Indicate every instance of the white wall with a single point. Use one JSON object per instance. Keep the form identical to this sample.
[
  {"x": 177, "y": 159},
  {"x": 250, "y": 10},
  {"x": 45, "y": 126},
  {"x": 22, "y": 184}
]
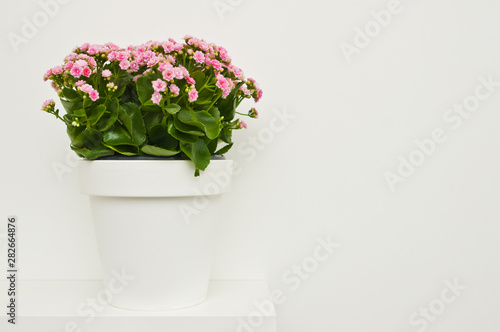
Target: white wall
[{"x": 321, "y": 175}]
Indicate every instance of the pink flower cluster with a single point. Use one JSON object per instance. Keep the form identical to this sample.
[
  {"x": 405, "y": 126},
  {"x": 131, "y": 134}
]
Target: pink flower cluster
[
  {"x": 161, "y": 86},
  {"x": 170, "y": 60},
  {"x": 48, "y": 105},
  {"x": 88, "y": 89}
]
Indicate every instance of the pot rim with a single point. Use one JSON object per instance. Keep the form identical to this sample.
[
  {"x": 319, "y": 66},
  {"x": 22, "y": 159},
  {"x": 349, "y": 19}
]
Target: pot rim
[{"x": 153, "y": 178}]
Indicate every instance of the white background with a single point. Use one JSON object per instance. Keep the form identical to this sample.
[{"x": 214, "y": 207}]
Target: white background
[{"x": 321, "y": 174}]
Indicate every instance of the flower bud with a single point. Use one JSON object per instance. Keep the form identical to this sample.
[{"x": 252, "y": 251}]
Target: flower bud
[{"x": 253, "y": 113}]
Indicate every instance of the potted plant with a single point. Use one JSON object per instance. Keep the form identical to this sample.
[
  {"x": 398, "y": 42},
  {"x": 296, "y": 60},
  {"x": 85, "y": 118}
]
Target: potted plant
[{"x": 146, "y": 120}]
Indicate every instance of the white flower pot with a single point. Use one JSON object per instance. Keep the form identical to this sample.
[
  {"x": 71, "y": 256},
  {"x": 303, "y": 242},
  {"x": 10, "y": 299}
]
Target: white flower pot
[{"x": 154, "y": 224}]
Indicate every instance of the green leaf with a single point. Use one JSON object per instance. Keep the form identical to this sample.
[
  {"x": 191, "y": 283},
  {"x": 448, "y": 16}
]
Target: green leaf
[
  {"x": 156, "y": 151},
  {"x": 131, "y": 117},
  {"x": 117, "y": 136},
  {"x": 89, "y": 138},
  {"x": 111, "y": 115},
  {"x": 204, "y": 97},
  {"x": 126, "y": 150},
  {"x": 227, "y": 107},
  {"x": 151, "y": 119},
  {"x": 87, "y": 102},
  {"x": 214, "y": 111},
  {"x": 199, "y": 78},
  {"x": 130, "y": 95},
  {"x": 71, "y": 95},
  {"x": 121, "y": 83},
  {"x": 224, "y": 149},
  {"x": 202, "y": 120},
  {"x": 73, "y": 132},
  {"x": 92, "y": 154},
  {"x": 172, "y": 108},
  {"x": 212, "y": 145},
  {"x": 96, "y": 113},
  {"x": 70, "y": 106},
  {"x": 80, "y": 112},
  {"x": 160, "y": 137},
  {"x": 149, "y": 106},
  {"x": 226, "y": 134},
  {"x": 188, "y": 129},
  {"x": 197, "y": 152},
  {"x": 145, "y": 88},
  {"x": 180, "y": 136}
]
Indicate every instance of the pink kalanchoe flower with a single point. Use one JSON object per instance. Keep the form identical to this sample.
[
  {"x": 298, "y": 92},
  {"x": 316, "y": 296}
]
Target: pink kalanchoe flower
[
  {"x": 92, "y": 62},
  {"x": 259, "y": 95},
  {"x": 76, "y": 71},
  {"x": 174, "y": 89},
  {"x": 168, "y": 74},
  {"x": 153, "y": 61},
  {"x": 199, "y": 57},
  {"x": 168, "y": 46},
  {"x": 164, "y": 65},
  {"x": 178, "y": 73},
  {"x": 94, "y": 95},
  {"x": 245, "y": 90},
  {"x": 203, "y": 45},
  {"x": 79, "y": 83},
  {"x": 134, "y": 66},
  {"x": 254, "y": 83},
  {"x": 185, "y": 72},
  {"x": 241, "y": 124},
  {"x": 87, "y": 88},
  {"x": 111, "y": 46},
  {"x": 156, "y": 98},
  {"x": 84, "y": 46},
  {"x": 123, "y": 55},
  {"x": 170, "y": 58},
  {"x": 68, "y": 65},
  {"x": 216, "y": 64},
  {"x": 222, "y": 82},
  {"x": 148, "y": 55},
  {"x": 124, "y": 64},
  {"x": 106, "y": 73},
  {"x": 159, "y": 85},
  {"x": 193, "y": 95},
  {"x": 190, "y": 80},
  {"x": 57, "y": 70},
  {"x": 136, "y": 55},
  {"x": 223, "y": 54},
  {"x": 47, "y": 74},
  {"x": 226, "y": 93},
  {"x": 112, "y": 56},
  {"x": 48, "y": 105},
  {"x": 71, "y": 57},
  {"x": 136, "y": 77},
  {"x": 86, "y": 72},
  {"x": 81, "y": 63},
  {"x": 238, "y": 73},
  {"x": 94, "y": 49}
]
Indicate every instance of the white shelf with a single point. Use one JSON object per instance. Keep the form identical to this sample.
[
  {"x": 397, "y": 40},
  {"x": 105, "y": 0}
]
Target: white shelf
[{"x": 62, "y": 306}]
